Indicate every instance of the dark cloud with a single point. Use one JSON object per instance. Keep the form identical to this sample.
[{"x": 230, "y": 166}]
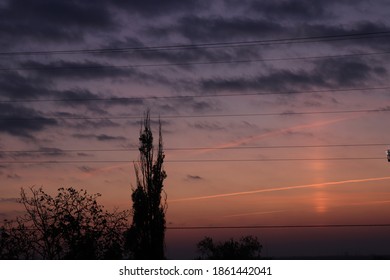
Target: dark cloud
[
  {"x": 296, "y": 9},
  {"x": 192, "y": 57},
  {"x": 64, "y": 21},
  {"x": 81, "y": 154},
  {"x": 287, "y": 10},
  {"x": 53, "y": 21},
  {"x": 356, "y": 27},
  {"x": 79, "y": 97},
  {"x": 9, "y": 200},
  {"x": 160, "y": 8},
  {"x": 93, "y": 70},
  {"x": 202, "y": 29},
  {"x": 206, "y": 125},
  {"x": 86, "y": 169},
  {"x": 291, "y": 133},
  {"x": 277, "y": 80},
  {"x": 53, "y": 152},
  {"x": 347, "y": 73},
  {"x": 93, "y": 102},
  {"x": 201, "y": 106},
  {"x": 194, "y": 178},
  {"x": 174, "y": 59},
  {"x": 16, "y": 86},
  {"x": 21, "y": 121},
  {"x": 90, "y": 124},
  {"x": 328, "y": 73},
  {"x": 13, "y": 177},
  {"x": 195, "y": 105},
  {"x": 99, "y": 137},
  {"x": 155, "y": 122},
  {"x": 86, "y": 69},
  {"x": 69, "y": 20},
  {"x": 104, "y": 137},
  {"x": 41, "y": 152}
]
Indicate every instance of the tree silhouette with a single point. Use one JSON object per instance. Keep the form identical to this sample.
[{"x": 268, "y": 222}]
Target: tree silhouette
[
  {"x": 71, "y": 225},
  {"x": 146, "y": 235},
  {"x": 247, "y": 248}
]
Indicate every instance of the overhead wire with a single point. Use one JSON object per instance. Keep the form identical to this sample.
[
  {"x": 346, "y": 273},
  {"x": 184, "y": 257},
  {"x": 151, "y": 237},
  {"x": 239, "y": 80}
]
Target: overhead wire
[
  {"x": 292, "y": 40},
  {"x": 194, "y": 160},
  {"x": 59, "y": 150},
  {"x": 45, "y": 118},
  {"x": 193, "y": 63},
  {"x": 296, "y": 226},
  {"x": 203, "y": 95},
  {"x": 276, "y": 226}
]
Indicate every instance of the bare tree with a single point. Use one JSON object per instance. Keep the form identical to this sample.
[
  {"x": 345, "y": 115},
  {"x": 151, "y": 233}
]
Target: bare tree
[{"x": 147, "y": 233}]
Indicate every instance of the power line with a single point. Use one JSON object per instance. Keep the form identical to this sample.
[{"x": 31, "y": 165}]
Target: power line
[
  {"x": 193, "y": 63},
  {"x": 59, "y": 150},
  {"x": 124, "y": 99},
  {"x": 196, "y": 160},
  {"x": 44, "y": 118},
  {"x": 254, "y": 227},
  {"x": 276, "y": 226},
  {"x": 293, "y": 40},
  {"x": 273, "y": 159}
]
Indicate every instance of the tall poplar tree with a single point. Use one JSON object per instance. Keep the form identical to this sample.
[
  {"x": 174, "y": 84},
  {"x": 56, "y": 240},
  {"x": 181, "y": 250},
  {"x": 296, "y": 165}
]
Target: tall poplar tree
[{"x": 147, "y": 233}]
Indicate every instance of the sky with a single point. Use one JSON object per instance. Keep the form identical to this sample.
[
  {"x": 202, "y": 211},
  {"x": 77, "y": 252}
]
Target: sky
[{"x": 273, "y": 113}]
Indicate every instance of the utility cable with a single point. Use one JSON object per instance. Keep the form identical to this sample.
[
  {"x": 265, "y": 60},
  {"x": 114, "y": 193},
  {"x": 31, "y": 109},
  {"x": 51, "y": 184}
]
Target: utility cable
[
  {"x": 60, "y": 151},
  {"x": 292, "y": 40},
  {"x": 45, "y": 118},
  {"x": 196, "y": 160},
  {"x": 140, "y": 98},
  {"x": 193, "y": 63}
]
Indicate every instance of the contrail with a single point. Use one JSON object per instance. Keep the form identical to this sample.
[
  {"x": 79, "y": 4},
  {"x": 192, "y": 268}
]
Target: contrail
[{"x": 281, "y": 189}]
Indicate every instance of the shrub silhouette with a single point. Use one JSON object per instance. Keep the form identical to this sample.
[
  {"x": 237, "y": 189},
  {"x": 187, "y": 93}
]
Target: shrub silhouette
[{"x": 246, "y": 248}]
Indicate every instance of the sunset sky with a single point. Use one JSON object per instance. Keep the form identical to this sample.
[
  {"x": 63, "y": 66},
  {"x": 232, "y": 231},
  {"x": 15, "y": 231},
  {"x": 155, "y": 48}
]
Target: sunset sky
[{"x": 272, "y": 112}]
